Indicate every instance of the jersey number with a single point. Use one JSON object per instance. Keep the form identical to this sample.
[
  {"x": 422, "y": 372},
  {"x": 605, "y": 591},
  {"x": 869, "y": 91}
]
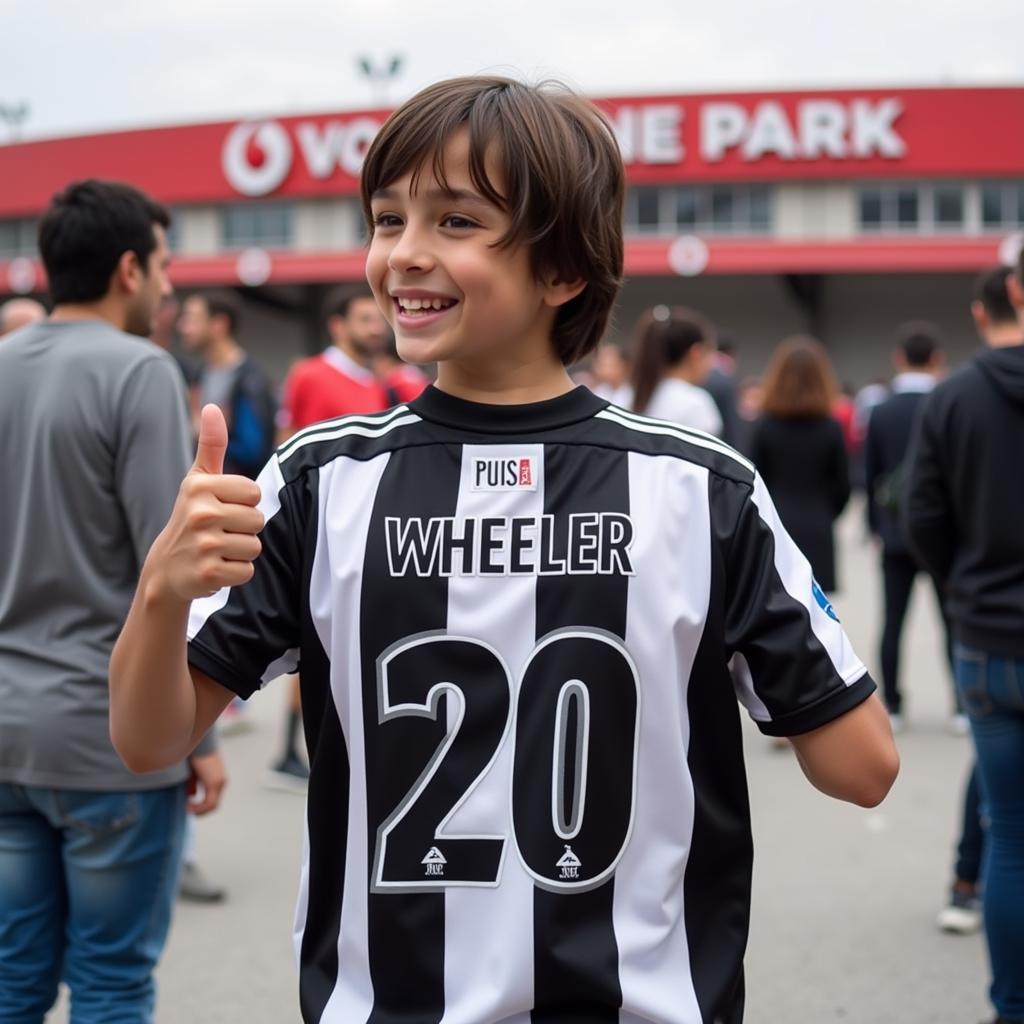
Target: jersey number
[{"x": 575, "y": 723}]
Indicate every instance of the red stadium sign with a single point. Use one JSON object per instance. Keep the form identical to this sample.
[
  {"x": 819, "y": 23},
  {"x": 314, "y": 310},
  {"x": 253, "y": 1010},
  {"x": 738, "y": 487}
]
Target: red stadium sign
[{"x": 896, "y": 133}]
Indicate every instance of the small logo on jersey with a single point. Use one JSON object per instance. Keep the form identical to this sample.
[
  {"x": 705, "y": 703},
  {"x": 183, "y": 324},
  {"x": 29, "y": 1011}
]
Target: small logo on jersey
[
  {"x": 569, "y": 864},
  {"x": 435, "y": 862},
  {"x": 517, "y": 473},
  {"x": 823, "y": 602}
]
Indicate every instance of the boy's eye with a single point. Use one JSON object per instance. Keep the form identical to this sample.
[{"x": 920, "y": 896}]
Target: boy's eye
[
  {"x": 455, "y": 220},
  {"x": 386, "y": 220}
]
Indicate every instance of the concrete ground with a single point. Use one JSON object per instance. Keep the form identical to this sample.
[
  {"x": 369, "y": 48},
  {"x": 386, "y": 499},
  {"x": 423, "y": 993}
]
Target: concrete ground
[{"x": 844, "y": 899}]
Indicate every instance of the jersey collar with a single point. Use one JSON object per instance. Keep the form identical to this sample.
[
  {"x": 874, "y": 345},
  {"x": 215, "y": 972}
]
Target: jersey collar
[{"x": 439, "y": 407}]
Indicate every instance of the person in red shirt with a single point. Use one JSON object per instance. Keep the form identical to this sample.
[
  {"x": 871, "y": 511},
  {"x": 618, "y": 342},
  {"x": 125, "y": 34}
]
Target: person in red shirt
[{"x": 341, "y": 380}]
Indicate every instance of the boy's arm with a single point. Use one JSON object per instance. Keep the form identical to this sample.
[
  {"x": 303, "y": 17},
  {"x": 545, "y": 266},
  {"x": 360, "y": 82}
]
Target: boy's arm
[
  {"x": 159, "y": 707},
  {"x": 852, "y": 758},
  {"x": 792, "y": 664}
]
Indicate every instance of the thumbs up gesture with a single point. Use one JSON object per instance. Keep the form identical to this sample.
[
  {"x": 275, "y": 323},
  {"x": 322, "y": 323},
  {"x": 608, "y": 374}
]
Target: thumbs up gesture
[{"x": 211, "y": 539}]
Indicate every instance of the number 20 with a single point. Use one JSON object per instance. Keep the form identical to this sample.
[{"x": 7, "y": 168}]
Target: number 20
[{"x": 576, "y": 718}]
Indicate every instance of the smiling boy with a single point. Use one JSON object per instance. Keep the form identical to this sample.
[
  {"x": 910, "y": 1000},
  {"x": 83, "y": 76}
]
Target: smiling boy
[{"x": 523, "y": 618}]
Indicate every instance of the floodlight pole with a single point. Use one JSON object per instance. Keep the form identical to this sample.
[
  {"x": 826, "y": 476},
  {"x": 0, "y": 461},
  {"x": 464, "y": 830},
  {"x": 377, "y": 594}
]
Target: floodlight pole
[{"x": 380, "y": 77}]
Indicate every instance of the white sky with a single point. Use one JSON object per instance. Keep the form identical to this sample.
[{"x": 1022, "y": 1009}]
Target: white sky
[{"x": 83, "y": 66}]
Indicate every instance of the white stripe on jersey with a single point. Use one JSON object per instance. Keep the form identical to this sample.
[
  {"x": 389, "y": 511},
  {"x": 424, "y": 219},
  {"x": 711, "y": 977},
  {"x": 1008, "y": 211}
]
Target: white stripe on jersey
[
  {"x": 646, "y": 425},
  {"x": 271, "y": 483},
  {"x": 665, "y": 622},
  {"x": 345, "y": 428},
  {"x": 368, "y": 420},
  {"x": 334, "y": 589},
  {"x": 743, "y": 684},
  {"x": 484, "y": 964},
  {"x": 795, "y": 572}
]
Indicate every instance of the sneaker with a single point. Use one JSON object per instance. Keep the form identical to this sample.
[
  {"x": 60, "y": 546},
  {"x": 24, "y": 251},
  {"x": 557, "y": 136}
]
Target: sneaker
[
  {"x": 962, "y": 915},
  {"x": 290, "y": 774},
  {"x": 897, "y": 723},
  {"x": 195, "y": 887}
]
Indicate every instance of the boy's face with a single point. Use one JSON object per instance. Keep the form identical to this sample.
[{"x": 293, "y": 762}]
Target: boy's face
[{"x": 449, "y": 294}]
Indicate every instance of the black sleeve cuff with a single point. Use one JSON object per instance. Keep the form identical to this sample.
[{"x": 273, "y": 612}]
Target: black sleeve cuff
[
  {"x": 826, "y": 710},
  {"x": 220, "y": 671}
]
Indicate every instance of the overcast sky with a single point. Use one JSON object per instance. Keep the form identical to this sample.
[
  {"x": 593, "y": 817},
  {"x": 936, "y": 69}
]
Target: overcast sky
[{"x": 127, "y": 63}]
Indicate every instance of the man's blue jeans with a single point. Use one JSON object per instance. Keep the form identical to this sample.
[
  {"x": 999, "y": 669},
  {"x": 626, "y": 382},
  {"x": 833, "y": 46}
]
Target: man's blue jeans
[
  {"x": 87, "y": 881},
  {"x": 992, "y": 689}
]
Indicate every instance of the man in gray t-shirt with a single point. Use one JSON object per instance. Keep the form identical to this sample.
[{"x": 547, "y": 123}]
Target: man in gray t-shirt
[{"x": 94, "y": 441}]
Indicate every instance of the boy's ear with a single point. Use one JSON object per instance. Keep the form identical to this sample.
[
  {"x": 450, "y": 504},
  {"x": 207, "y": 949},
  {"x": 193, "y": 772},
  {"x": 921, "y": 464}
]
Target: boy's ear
[{"x": 558, "y": 293}]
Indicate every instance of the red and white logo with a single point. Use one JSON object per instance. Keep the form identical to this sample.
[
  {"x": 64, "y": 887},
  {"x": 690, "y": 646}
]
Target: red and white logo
[
  {"x": 512, "y": 473},
  {"x": 257, "y": 157}
]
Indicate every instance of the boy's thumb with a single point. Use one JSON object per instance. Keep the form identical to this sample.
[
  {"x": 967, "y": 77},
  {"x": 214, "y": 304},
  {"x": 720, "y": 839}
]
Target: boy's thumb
[{"x": 213, "y": 441}]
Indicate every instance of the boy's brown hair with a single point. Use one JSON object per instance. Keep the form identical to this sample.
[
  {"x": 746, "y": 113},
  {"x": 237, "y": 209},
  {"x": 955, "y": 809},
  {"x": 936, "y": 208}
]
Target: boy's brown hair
[{"x": 563, "y": 182}]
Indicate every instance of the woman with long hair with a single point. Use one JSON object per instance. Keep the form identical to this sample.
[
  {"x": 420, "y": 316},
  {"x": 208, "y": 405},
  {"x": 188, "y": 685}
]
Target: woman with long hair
[
  {"x": 671, "y": 359},
  {"x": 799, "y": 450}
]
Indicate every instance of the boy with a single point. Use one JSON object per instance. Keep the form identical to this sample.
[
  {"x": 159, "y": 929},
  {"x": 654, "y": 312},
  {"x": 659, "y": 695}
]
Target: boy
[{"x": 514, "y": 609}]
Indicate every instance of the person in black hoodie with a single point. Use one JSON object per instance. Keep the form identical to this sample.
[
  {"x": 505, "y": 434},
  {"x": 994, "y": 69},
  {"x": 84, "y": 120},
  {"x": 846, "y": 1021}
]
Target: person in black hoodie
[{"x": 963, "y": 510}]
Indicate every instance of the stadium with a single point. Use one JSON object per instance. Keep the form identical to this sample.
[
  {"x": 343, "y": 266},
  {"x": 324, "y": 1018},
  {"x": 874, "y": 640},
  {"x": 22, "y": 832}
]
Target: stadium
[{"x": 839, "y": 213}]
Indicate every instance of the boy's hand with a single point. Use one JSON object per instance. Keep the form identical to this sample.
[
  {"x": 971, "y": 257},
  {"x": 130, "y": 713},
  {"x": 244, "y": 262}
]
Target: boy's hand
[{"x": 211, "y": 539}]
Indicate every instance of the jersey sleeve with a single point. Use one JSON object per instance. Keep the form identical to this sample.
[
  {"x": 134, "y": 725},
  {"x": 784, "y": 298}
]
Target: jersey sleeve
[
  {"x": 246, "y": 636},
  {"x": 792, "y": 664}
]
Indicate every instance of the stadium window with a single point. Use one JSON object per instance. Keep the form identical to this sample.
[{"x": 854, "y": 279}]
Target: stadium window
[
  {"x": 721, "y": 209},
  {"x": 871, "y": 209},
  {"x": 907, "y": 206},
  {"x": 948, "y": 206},
  {"x": 264, "y": 225},
  {"x": 1002, "y": 205},
  {"x": 174, "y": 231},
  {"x": 687, "y": 202},
  {"x": 18, "y": 238}
]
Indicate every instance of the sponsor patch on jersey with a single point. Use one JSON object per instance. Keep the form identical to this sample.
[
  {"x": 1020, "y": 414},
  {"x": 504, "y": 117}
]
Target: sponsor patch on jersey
[
  {"x": 823, "y": 602},
  {"x": 506, "y": 473}
]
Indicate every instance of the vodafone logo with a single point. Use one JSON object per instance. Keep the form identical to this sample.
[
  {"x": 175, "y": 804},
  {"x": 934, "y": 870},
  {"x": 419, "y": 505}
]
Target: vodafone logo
[{"x": 257, "y": 157}]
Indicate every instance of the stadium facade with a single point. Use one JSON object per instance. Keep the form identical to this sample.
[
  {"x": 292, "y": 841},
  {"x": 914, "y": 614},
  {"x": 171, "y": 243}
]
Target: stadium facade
[{"x": 839, "y": 213}]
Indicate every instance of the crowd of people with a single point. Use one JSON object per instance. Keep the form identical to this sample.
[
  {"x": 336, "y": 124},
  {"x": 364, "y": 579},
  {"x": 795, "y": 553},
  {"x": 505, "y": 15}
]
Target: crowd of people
[{"x": 164, "y": 497}]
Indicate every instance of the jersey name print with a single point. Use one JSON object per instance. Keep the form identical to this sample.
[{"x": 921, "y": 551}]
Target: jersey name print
[
  {"x": 593, "y": 542},
  {"x": 522, "y": 634}
]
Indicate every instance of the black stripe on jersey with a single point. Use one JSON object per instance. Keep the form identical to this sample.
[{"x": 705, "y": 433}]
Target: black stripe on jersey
[
  {"x": 576, "y": 968},
  {"x": 328, "y": 787},
  {"x": 406, "y": 934},
  {"x": 716, "y": 885}
]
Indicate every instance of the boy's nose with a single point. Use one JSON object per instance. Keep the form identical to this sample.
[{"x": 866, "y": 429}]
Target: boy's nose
[{"x": 410, "y": 255}]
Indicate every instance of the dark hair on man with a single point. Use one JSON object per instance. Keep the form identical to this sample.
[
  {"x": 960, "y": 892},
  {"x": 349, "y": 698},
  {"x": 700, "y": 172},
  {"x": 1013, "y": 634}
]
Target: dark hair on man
[
  {"x": 562, "y": 182},
  {"x": 340, "y": 299},
  {"x": 990, "y": 291},
  {"x": 662, "y": 339},
  {"x": 799, "y": 381},
  {"x": 223, "y": 304},
  {"x": 919, "y": 341},
  {"x": 88, "y": 228}
]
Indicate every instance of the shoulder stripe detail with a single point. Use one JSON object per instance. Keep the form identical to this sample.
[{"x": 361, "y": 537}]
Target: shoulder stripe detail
[
  {"x": 371, "y": 419},
  {"x": 696, "y": 437},
  {"x": 347, "y": 428}
]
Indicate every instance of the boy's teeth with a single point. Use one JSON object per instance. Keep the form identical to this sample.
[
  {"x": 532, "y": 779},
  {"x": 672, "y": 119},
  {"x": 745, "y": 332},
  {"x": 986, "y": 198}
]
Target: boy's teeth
[{"x": 416, "y": 305}]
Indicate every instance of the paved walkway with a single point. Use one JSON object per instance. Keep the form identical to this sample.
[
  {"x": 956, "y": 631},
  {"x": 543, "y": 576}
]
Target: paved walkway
[{"x": 844, "y": 899}]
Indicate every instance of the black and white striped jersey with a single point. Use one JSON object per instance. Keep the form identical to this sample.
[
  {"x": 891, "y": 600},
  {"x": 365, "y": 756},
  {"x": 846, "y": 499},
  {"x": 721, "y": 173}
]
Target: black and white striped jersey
[{"x": 522, "y": 632}]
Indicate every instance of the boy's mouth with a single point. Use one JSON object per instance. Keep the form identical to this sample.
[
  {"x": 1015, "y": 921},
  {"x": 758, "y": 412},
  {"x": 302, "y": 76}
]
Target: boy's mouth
[{"x": 423, "y": 306}]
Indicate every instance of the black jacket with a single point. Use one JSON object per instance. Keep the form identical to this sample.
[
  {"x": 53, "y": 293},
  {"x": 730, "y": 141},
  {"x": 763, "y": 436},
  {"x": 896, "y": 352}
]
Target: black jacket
[
  {"x": 885, "y": 450},
  {"x": 963, "y": 508},
  {"x": 803, "y": 463}
]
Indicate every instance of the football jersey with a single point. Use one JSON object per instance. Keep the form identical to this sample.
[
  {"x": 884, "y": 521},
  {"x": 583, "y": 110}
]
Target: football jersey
[{"x": 522, "y": 632}]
